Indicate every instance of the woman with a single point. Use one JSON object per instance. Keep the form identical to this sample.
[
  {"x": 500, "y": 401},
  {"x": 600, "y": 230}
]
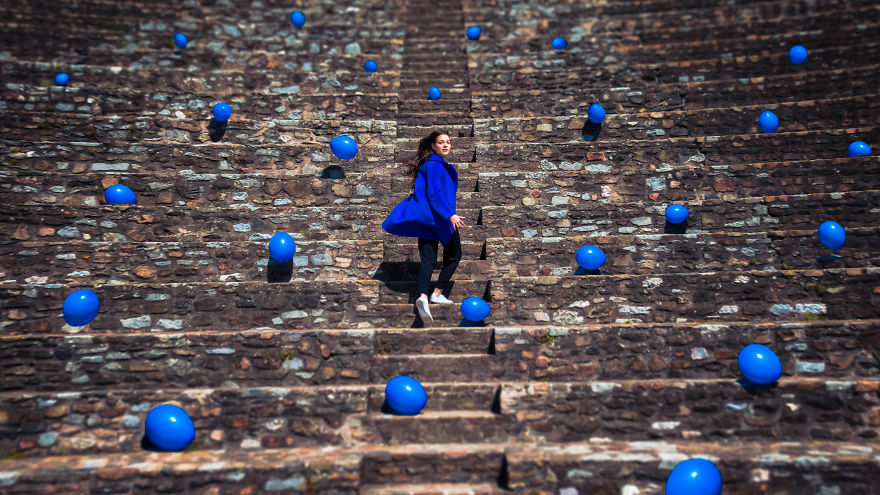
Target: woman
[{"x": 429, "y": 214}]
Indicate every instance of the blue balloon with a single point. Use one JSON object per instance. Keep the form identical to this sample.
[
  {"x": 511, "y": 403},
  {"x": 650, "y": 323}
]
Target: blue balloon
[
  {"x": 80, "y": 307},
  {"x": 596, "y": 113},
  {"x": 590, "y": 257},
  {"x": 676, "y": 213},
  {"x": 180, "y": 40},
  {"x": 474, "y": 309},
  {"x": 298, "y": 19},
  {"x": 797, "y": 55},
  {"x": 832, "y": 235},
  {"x": 405, "y": 395},
  {"x": 344, "y": 147},
  {"x": 371, "y": 66},
  {"x": 222, "y": 112},
  {"x": 695, "y": 476},
  {"x": 434, "y": 93},
  {"x": 473, "y": 32},
  {"x": 118, "y": 194},
  {"x": 858, "y": 148},
  {"x": 170, "y": 427},
  {"x": 768, "y": 121},
  {"x": 759, "y": 364},
  {"x": 281, "y": 247},
  {"x": 62, "y": 78},
  {"x": 559, "y": 43}
]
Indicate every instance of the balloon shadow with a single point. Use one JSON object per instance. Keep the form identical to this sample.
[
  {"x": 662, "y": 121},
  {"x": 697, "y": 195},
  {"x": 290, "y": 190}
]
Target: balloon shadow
[
  {"x": 468, "y": 323},
  {"x": 591, "y": 130},
  {"x": 754, "y": 388},
  {"x": 387, "y": 409},
  {"x": 277, "y": 272},
  {"x": 583, "y": 271},
  {"x": 675, "y": 228},
  {"x": 217, "y": 129},
  {"x": 333, "y": 172},
  {"x": 828, "y": 261},
  {"x": 149, "y": 446}
]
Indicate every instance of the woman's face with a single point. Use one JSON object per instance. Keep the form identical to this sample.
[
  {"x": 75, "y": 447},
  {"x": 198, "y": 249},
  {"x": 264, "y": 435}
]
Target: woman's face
[{"x": 442, "y": 145}]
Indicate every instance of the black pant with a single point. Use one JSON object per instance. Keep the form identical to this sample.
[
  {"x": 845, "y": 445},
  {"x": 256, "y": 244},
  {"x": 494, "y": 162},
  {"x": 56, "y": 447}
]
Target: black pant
[{"x": 428, "y": 254}]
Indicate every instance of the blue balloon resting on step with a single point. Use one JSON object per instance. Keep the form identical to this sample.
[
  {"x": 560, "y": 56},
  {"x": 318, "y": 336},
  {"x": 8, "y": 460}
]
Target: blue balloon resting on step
[
  {"x": 559, "y": 43},
  {"x": 222, "y": 112},
  {"x": 832, "y": 235},
  {"x": 797, "y": 55},
  {"x": 768, "y": 121},
  {"x": 695, "y": 476},
  {"x": 596, "y": 113},
  {"x": 61, "y": 78},
  {"x": 676, "y": 213},
  {"x": 474, "y": 309},
  {"x": 169, "y": 427},
  {"x": 473, "y": 32},
  {"x": 371, "y": 66},
  {"x": 298, "y": 19},
  {"x": 117, "y": 194},
  {"x": 405, "y": 395},
  {"x": 180, "y": 40},
  {"x": 759, "y": 364},
  {"x": 281, "y": 247},
  {"x": 434, "y": 93},
  {"x": 80, "y": 307},
  {"x": 590, "y": 257},
  {"x": 344, "y": 147},
  {"x": 858, "y": 148}
]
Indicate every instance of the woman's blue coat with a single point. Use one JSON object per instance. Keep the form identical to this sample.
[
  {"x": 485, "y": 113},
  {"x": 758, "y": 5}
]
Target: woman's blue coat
[{"x": 426, "y": 212}]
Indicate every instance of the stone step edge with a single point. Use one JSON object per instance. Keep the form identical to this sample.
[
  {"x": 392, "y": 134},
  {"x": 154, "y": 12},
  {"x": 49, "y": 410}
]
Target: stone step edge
[{"x": 475, "y": 488}]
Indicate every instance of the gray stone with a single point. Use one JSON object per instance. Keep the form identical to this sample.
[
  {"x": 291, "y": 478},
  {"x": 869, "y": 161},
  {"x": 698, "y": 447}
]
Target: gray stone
[
  {"x": 780, "y": 309},
  {"x": 47, "y": 439},
  {"x": 136, "y": 322},
  {"x": 293, "y": 483}
]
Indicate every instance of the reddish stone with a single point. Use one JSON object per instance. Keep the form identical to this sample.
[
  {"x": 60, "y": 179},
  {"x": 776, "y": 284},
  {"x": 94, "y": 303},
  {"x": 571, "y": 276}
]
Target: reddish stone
[
  {"x": 116, "y": 474},
  {"x": 542, "y": 362},
  {"x": 725, "y": 354},
  {"x": 326, "y": 350},
  {"x": 724, "y": 185},
  {"x": 245, "y": 363}
]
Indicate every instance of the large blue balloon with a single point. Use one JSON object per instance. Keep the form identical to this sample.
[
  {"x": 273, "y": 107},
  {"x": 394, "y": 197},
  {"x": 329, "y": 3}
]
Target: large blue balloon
[
  {"x": 344, "y": 147},
  {"x": 371, "y": 66},
  {"x": 559, "y": 43},
  {"x": 61, "y": 78},
  {"x": 695, "y": 476},
  {"x": 80, "y": 307},
  {"x": 858, "y": 148},
  {"x": 118, "y": 194},
  {"x": 434, "y": 93},
  {"x": 298, "y": 19},
  {"x": 768, "y": 121},
  {"x": 590, "y": 257},
  {"x": 676, "y": 213},
  {"x": 281, "y": 247},
  {"x": 596, "y": 113},
  {"x": 405, "y": 395},
  {"x": 832, "y": 235},
  {"x": 759, "y": 364},
  {"x": 180, "y": 40},
  {"x": 222, "y": 112},
  {"x": 170, "y": 427},
  {"x": 474, "y": 309},
  {"x": 473, "y": 32},
  {"x": 797, "y": 54}
]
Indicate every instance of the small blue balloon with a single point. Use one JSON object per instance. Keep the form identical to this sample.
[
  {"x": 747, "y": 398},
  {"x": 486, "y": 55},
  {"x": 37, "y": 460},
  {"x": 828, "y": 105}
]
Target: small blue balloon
[
  {"x": 676, "y": 213},
  {"x": 474, "y": 309},
  {"x": 559, "y": 43},
  {"x": 797, "y": 55},
  {"x": 434, "y": 93},
  {"x": 371, "y": 66},
  {"x": 832, "y": 235},
  {"x": 180, "y": 40},
  {"x": 118, "y": 194},
  {"x": 596, "y": 113},
  {"x": 473, "y": 32},
  {"x": 759, "y": 364},
  {"x": 405, "y": 395},
  {"x": 858, "y": 148},
  {"x": 768, "y": 121},
  {"x": 281, "y": 247},
  {"x": 298, "y": 19},
  {"x": 222, "y": 112},
  {"x": 80, "y": 307},
  {"x": 590, "y": 257},
  {"x": 62, "y": 78},
  {"x": 169, "y": 427},
  {"x": 344, "y": 147},
  {"x": 695, "y": 476}
]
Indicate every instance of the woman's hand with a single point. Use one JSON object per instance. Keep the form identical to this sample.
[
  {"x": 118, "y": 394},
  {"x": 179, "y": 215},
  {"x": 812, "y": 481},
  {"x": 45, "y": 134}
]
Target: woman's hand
[{"x": 457, "y": 222}]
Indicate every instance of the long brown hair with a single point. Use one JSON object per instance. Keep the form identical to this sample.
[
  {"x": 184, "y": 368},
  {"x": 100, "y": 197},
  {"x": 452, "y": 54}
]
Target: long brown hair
[{"x": 414, "y": 161}]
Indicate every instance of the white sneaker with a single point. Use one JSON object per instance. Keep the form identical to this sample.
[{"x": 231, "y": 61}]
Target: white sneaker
[
  {"x": 440, "y": 299},
  {"x": 424, "y": 311}
]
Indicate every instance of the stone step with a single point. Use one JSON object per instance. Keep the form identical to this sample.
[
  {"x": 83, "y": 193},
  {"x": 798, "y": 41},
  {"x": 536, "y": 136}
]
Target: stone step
[
  {"x": 461, "y": 129},
  {"x": 264, "y": 357},
  {"x": 433, "y": 489}
]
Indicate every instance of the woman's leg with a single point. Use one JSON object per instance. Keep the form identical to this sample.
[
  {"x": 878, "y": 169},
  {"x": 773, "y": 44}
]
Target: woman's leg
[
  {"x": 451, "y": 257},
  {"x": 428, "y": 255}
]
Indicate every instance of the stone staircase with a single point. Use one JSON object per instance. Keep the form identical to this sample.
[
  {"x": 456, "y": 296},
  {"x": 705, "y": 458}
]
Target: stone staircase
[{"x": 579, "y": 383}]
